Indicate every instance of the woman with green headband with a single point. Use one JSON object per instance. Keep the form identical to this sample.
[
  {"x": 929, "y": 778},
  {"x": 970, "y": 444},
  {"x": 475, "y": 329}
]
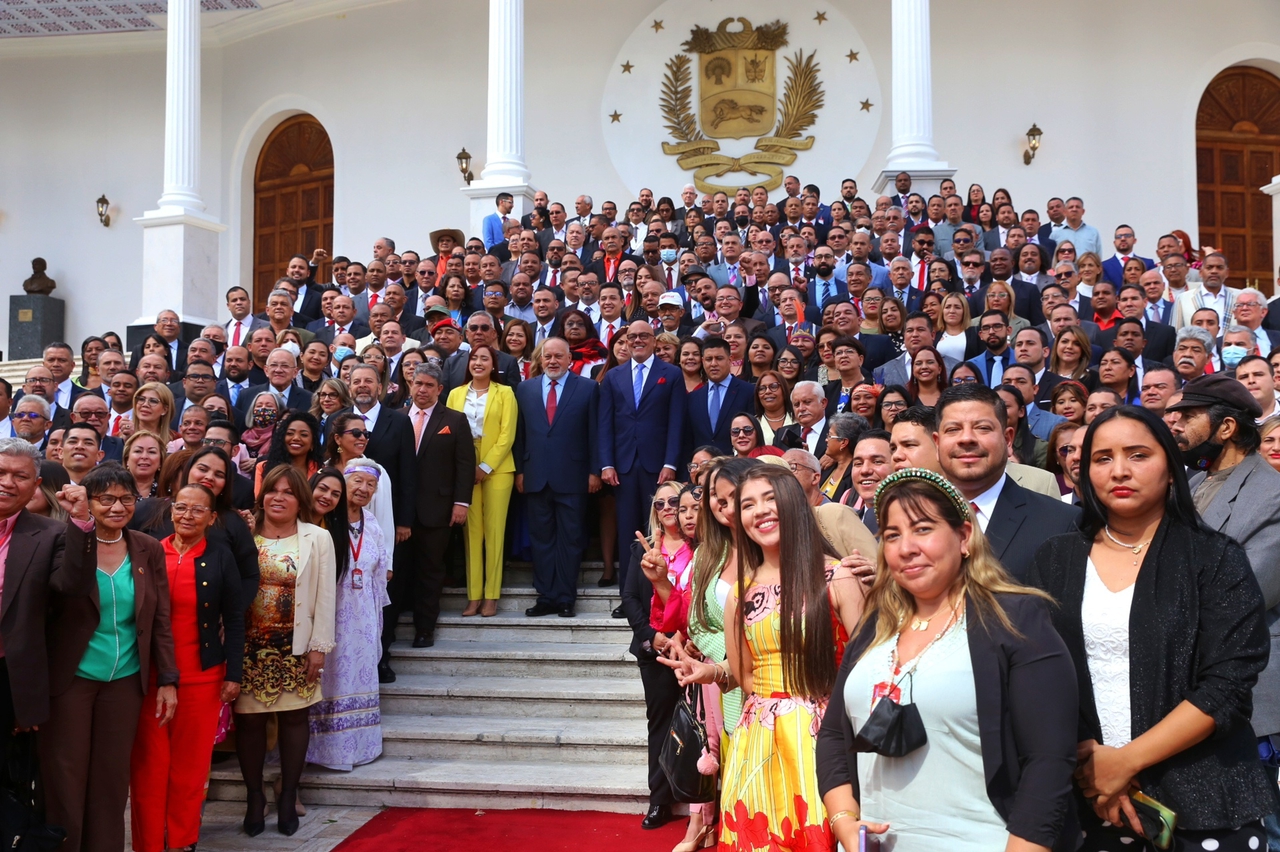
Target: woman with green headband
[{"x": 952, "y": 724}]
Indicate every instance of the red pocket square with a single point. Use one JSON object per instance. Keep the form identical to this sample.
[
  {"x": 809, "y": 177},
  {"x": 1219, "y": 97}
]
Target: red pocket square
[
  {"x": 444, "y": 431},
  {"x": 662, "y": 380}
]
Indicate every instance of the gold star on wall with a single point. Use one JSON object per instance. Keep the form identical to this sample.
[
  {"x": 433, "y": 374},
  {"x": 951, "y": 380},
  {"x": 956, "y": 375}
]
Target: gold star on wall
[
  {"x": 821, "y": 17},
  {"x": 866, "y": 106},
  {"x": 615, "y": 117},
  {"x": 626, "y": 67},
  {"x": 853, "y": 55},
  {"x": 657, "y": 25}
]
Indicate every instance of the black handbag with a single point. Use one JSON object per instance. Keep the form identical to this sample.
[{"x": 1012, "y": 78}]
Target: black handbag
[
  {"x": 21, "y": 827},
  {"x": 892, "y": 729},
  {"x": 686, "y": 741}
]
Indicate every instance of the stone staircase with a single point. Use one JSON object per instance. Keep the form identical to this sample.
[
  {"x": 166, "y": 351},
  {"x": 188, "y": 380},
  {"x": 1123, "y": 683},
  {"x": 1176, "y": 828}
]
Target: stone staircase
[{"x": 503, "y": 712}]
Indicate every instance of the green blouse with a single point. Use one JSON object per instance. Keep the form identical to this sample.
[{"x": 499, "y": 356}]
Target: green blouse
[
  {"x": 709, "y": 638},
  {"x": 113, "y": 649}
]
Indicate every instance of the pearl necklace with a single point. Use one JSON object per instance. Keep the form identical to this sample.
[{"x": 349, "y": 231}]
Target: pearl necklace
[
  {"x": 115, "y": 540},
  {"x": 1134, "y": 548}
]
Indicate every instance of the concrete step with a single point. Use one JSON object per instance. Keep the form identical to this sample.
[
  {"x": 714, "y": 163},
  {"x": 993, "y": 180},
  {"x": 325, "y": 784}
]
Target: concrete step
[
  {"x": 403, "y": 782},
  {"x": 516, "y": 627},
  {"x": 530, "y": 697},
  {"x": 516, "y": 738},
  {"x": 521, "y": 574},
  {"x": 519, "y": 598},
  {"x": 524, "y": 659}
]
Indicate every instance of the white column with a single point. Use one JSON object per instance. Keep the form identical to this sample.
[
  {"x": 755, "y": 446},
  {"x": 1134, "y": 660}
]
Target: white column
[
  {"x": 180, "y": 240},
  {"x": 912, "y": 105},
  {"x": 504, "y": 168},
  {"x": 182, "y": 108},
  {"x": 1273, "y": 189}
]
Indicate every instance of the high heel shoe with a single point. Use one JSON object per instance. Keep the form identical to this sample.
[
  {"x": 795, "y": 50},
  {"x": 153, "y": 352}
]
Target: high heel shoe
[
  {"x": 286, "y": 813},
  {"x": 704, "y": 839},
  {"x": 490, "y": 609},
  {"x": 255, "y": 813},
  {"x": 298, "y": 806},
  {"x": 473, "y": 608}
]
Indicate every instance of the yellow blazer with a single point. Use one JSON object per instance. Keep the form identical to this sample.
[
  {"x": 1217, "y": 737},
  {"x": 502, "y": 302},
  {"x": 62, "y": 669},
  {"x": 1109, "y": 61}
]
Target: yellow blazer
[{"x": 499, "y": 425}]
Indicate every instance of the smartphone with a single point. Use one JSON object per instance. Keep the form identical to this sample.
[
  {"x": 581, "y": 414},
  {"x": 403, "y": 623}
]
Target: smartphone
[
  {"x": 1158, "y": 822},
  {"x": 867, "y": 842}
]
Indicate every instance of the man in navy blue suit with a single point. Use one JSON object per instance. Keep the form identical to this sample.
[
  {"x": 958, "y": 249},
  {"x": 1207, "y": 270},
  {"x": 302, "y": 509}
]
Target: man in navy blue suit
[
  {"x": 641, "y": 424},
  {"x": 713, "y": 406},
  {"x": 900, "y": 275},
  {"x": 825, "y": 284},
  {"x": 1113, "y": 267},
  {"x": 557, "y": 465}
]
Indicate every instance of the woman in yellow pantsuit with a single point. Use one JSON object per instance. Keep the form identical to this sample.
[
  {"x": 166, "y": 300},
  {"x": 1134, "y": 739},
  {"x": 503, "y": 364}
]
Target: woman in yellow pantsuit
[{"x": 490, "y": 408}]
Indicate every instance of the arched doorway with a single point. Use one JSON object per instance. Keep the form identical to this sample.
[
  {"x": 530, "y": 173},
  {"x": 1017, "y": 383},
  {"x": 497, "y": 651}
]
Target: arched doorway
[
  {"x": 1238, "y": 151},
  {"x": 292, "y": 201}
]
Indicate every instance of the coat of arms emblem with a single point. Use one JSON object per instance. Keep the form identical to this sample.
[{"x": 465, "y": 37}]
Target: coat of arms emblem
[{"x": 736, "y": 78}]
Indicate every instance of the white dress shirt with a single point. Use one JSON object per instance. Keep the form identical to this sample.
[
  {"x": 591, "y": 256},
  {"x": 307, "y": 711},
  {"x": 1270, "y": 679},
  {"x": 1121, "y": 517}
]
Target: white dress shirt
[
  {"x": 986, "y": 501},
  {"x": 62, "y": 396},
  {"x": 370, "y": 417},
  {"x": 811, "y": 442}
]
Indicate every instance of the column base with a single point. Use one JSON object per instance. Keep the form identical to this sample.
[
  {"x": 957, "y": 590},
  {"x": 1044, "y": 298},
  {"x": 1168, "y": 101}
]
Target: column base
[
  {"x": 179, "y": 265},
  {"x": 925, "y": 177},
  {"x": 482, "y": 194}
]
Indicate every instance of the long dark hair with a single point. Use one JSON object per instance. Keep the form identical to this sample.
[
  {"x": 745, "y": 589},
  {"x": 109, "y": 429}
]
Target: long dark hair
[
  {"x": 222, "y": 500},
  {"x": 804, "y": 608},
  {"x": 714, "y": 539},
  {"x": 338, "y": 424},
  {"x": 1178, "y": 506},
  {"x": 336, "y": 522},
  {"x": 84, "y": 346},
  {"x": 277, "y": 454},
  {"x": 1024, "y": 443}
]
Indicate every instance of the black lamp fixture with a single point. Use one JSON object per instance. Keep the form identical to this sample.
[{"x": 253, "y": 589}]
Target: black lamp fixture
[
  {"x": 103, "y": 204},
  {"x": 464, "y": 166},
  {"x": 1033, "y": 144}
]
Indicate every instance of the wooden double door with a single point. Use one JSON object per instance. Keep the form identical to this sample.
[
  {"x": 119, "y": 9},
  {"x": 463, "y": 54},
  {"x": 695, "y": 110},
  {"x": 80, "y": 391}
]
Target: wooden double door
[
  {"x": 293, "y": 201},
  {"x": 1237, "y": 152}
]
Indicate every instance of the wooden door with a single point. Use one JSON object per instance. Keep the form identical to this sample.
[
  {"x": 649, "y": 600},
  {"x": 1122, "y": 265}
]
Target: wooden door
[
  {"x": 293, "y": 201},
  {"x": 1237, "y": 152}
]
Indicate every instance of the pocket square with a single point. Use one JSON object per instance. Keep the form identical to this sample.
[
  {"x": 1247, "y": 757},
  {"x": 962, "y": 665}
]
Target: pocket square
[
  {"x": 444, "y": 431},
  {"x": 662, "y": 380}
]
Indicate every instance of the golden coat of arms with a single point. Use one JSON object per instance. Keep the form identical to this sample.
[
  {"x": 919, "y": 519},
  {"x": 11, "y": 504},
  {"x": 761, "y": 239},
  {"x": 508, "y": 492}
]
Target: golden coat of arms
[{"x": 737, "y": 98}]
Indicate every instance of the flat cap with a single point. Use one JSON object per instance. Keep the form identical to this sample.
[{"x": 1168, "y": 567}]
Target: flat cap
[{"x": 1214, "y": 389}]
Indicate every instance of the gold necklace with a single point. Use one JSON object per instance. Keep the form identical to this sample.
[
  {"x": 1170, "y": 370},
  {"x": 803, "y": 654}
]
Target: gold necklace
[{"x": 1134, "y": 548}]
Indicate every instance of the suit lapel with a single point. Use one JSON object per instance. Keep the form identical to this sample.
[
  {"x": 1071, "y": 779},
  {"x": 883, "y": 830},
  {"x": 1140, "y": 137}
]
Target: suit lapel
[
  {"x": 1005, "y": 518},
  {"x": 568, "y": 387},
  {"x": 21, "y": 550},
  {"x": 1219, "y": 511},
  {"x": 139, "y": 577},
  {"x": 433, "y": 425}
]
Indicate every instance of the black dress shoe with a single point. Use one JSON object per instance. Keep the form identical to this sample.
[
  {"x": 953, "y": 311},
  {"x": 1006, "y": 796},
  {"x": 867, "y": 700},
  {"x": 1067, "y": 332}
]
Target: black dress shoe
[
  {"x": 255, "y": 813},
  {"x": 618, "y": 612},
  {"x": 540, "y": 608},
  {"x": 424, "y": 640},
  {"x": 606, "y": 582},
  {"x": 385, "y": 674},
  {"x": 658, "y": 816},
  {"x": 566, "y": 611}
]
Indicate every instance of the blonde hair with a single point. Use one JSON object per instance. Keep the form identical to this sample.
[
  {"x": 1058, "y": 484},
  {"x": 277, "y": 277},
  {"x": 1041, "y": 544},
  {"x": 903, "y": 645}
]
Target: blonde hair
[
  {"x": 965, "y": 318},
  {"x": 1008, "y": 291},
  {"x": 1082, "y": 341},
  {"x": 166, "y": 399},
  {"x": 655, "y": 522},
  {"x": 981, "y": 576}
]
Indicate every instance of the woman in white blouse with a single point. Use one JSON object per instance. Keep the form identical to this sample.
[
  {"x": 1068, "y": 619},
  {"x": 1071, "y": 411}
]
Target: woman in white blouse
[{"x": 490, "y": 408}]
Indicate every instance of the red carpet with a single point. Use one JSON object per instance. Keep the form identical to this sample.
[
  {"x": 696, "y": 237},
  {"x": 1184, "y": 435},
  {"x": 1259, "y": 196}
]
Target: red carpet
[{"x": 465, "y": 830}]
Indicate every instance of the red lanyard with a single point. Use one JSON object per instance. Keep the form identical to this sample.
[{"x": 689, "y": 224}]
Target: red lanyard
[{"x": 358, "y": 546}]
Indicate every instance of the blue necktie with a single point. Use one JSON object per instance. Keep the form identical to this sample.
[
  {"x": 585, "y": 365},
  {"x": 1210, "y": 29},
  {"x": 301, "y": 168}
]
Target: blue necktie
[
  {"x": 714, "y": 408},
  {"x": 639, "y": 383},
  {"x": 825, "y": 293},
  {"x": 235, "y": 393}
]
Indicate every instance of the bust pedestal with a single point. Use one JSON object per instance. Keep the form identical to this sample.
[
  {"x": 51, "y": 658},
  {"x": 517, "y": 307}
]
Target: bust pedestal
[{"x": 34, "y": 322}]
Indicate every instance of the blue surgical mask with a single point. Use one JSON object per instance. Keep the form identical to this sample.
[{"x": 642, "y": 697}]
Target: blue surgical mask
[
  {"x": 1232, "y": 355},
  {"x": 668, "y": 255},
  {"x": 342, "y": 352}
]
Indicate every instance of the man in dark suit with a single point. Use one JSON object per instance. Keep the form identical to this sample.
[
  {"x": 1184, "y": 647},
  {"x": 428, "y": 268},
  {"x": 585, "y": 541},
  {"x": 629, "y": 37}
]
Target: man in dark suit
[
  {"x": 712, "y": 407},
  {"x": 809, "y": 432},
  {"x": 642, "y": 408},
  {"x": 342, "y": 320},
  {"x": 606, "y": 268},
  {"x": 45, "y": 559},
  {"x": 445, "y": 459},
  {"x": 901, "y": 183},
  {"x": 557, "y": 459},
  {"x": 169, "y": 327},
  {"x": 900, "y": 279},
  {"x": 973, "y": 447},
  {"x": 1150, "y": 340},
  {"x": 391, "y": 443},
  {"x": 281, "y": 369},
  {"x": 1113, "y": 267},
  {"x": 92, "y": 409}
]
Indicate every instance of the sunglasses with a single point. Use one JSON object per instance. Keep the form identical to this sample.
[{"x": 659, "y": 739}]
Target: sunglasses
[
  {"x": 672, "y": 503},
  {"x": 357, "y": 433},
  {"x": 26, "y": 415},
  {"x": 742, "y": 430}
]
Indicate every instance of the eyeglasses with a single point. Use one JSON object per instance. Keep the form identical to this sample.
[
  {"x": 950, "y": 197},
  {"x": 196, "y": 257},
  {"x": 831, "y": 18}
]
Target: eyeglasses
[
  {"x": 1065, "y": 450},
  {"x": 670, "y": 503},
  {"x": 328, "y": 395},
  {"x": 971, "y": 263},
  {"x": 215, "y": 442},
  {"x": 194, "y": 511},
  {"x": 964, "y": 380},
  {"x": 27, "y": 415},
  {"x": 91, "y": 415},
  {"x": 479, "y": 327},
  {"x": 203, "y": 377},
  {"x": 694, "y": 467},
  {"x": 39, "y": 381},
  {"x": 924, "y": 243},
  {"x": 109, "y": 500},
  {"x": 742, "y": 430},
  {"x": 149, "y": 400},
  {"x": 894, "y": 405},
  {"x": 1061, "y": 276},
  {"x": 696, "y": 491},
  {"x": 357, "y": 433},
  {"x": 773, "y": 386}
]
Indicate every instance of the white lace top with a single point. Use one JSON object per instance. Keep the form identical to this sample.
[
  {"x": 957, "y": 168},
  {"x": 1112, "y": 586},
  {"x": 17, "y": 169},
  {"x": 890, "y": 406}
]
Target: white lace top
[{"x": 1104, "y": 615}]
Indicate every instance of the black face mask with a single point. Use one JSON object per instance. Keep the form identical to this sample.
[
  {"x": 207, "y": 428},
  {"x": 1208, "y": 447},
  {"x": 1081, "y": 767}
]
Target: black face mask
[
  {"x": 742, "y": 221},
  {"x": 1202, "y": 456},
  {"x": 824, "y": 269}
]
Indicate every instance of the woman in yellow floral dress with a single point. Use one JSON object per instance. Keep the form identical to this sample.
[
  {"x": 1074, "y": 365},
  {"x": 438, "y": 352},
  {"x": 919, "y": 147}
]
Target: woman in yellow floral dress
[
  {"x": 785, "y": 627},
  {"x": 289, "y": 628}
]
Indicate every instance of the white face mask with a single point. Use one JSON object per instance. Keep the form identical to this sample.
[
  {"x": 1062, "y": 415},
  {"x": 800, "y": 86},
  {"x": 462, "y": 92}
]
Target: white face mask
[{"x": 290, "y": 346}]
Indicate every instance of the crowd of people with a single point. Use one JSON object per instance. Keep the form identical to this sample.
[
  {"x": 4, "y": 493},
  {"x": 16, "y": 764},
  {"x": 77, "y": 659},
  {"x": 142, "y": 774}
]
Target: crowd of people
[{"x": 825, "y": 449}]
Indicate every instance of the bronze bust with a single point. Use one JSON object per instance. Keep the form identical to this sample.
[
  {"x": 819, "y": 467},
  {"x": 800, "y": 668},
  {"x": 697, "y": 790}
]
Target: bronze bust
[{"x": 39, "y": 284}]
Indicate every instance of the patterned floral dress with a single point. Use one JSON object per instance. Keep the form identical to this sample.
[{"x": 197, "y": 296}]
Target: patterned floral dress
[
  {"x": 274, "y": 678},
  {"x": 770, "y": 797}
]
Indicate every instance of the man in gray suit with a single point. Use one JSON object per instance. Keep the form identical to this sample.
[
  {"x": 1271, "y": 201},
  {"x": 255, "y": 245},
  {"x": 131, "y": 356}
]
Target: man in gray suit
[
  {"x": 916, "y": 334},
  {"x": 1215, "y": 428}
]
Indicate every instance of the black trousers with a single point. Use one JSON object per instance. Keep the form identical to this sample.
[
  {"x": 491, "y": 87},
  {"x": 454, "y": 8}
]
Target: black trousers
[
  {"x": 632, "y": 496},
  {"x": 557, "y": 538},
  {"x": 661, "y": 692},
  {"x": 426, "y": 575}
]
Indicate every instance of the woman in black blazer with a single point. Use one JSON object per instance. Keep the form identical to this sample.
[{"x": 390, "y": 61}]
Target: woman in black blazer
[
  {"x": 948, "y": 631},
  {"x": 1164, "y": 621}
]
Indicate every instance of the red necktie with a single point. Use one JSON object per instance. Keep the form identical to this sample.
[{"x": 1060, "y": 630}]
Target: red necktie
[
  {"x": 790, "y": 328},
  {"x": 610, "y": 268},
  {"x": 115, "y": 427},
  {"x": 330, "y": 323},
  {"x": 235, "y": 340},
  {"x": 608, "y": 342},
  {"x": 555, "y": 276},
  {"x": 373, "y": 300},
  {"x": 923, "y": 270},
  {"x": 670, "y": 283},
  {"x": 797, "y": 276},
  {"x": 804, "y": 435},
  {"x": 973, "y": 507},
  {"x": 551, "y": 403}
]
